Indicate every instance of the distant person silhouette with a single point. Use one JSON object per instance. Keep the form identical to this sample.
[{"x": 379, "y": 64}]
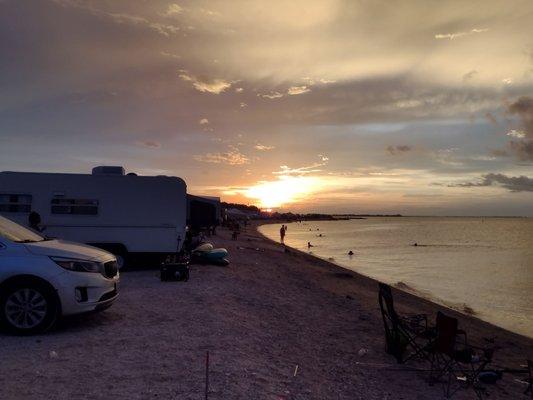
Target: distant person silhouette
[
  {"x": 282, "y": 234},
  {"x": 34, "y": 221}
]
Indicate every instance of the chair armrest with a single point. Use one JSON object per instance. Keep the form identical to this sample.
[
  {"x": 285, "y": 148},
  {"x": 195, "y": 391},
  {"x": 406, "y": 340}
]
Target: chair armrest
[{"x": 415, "y": 318}]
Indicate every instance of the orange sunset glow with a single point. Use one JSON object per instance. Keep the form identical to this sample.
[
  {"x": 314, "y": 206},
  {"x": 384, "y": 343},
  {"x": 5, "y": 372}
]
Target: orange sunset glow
[{"x": 283, "y": 192}]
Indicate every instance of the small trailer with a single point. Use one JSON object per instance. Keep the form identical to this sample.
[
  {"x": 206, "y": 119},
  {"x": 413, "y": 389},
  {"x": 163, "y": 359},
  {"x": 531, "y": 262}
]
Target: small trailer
[{"x": 134, "y": 217}]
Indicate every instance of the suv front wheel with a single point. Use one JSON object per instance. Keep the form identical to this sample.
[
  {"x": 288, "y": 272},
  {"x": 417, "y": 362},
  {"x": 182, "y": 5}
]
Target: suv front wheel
[{"x": 28, "y": 307}]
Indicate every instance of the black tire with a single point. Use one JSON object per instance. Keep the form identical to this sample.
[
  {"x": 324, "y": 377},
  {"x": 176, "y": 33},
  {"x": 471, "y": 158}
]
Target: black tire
[
  {"x": 122, "y": 259},
  {"x": 28, "y": 307}
]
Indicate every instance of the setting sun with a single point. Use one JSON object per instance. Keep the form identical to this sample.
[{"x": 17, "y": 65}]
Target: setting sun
[{"x": 287, "y": 189}]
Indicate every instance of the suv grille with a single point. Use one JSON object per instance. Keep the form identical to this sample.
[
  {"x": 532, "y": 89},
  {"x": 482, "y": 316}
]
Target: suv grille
[{"x": 110, "y": 269}]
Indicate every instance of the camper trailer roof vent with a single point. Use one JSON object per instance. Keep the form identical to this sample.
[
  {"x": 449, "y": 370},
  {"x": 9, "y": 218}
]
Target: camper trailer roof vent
[{"x": 108, "y": 170}]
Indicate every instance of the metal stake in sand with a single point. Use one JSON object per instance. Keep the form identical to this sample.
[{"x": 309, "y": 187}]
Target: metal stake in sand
[{"x": 206, "y": 375}]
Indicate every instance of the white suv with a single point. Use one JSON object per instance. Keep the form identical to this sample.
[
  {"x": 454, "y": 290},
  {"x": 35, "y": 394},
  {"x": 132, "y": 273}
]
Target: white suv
[{"x": 42, "y": 279}]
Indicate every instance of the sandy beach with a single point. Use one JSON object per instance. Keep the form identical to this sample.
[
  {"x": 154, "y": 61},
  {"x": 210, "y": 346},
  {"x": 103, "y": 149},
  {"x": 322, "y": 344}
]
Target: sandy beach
[{"x": 277, "y": 325}]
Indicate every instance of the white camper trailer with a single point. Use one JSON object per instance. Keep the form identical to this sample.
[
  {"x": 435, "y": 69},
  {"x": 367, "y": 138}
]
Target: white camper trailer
[{"x": 123, "y": 214}]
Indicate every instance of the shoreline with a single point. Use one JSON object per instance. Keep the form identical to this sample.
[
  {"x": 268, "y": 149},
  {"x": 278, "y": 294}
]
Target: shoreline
[{"x": 406, "y": 290}]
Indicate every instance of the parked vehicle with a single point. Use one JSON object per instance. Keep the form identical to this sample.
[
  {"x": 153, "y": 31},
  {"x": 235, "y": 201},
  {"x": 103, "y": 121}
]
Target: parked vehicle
[
  {"x": 133, "y": 217},
  {"x": 42, "y": 279}
]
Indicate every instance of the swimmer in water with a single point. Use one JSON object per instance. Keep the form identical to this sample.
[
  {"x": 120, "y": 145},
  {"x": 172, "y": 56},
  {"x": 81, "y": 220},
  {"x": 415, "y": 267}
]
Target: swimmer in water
[
  {"x": 309, "y": 245},
  {"x": 350, "y": 253}
]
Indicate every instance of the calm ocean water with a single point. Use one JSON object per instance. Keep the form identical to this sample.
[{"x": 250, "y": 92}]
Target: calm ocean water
[{"x": 483, "y": 264}]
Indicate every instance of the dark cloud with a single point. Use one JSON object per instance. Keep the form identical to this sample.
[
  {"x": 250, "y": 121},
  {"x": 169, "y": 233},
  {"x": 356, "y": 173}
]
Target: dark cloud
[
  {"x": 514, "y": 184},
  {"x": 469, "y": 75},
  {"x": 523, "y": 108},
  {"x": 399, "y": 149},
  {"x": 523, "y": 149},
  {"x": 150, "y": 144}
]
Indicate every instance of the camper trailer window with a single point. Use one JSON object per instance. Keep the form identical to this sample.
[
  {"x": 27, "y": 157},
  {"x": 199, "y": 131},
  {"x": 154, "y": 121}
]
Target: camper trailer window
[
  {"x": 75, "y": 206},
  {"x": 20, "y": 203}
]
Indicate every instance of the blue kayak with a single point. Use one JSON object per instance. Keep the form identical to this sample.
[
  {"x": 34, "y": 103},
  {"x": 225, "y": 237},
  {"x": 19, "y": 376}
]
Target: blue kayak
[{"x": 215, "y": 256}]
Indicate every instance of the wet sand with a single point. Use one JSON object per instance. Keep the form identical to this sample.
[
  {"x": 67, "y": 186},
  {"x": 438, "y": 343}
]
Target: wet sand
[{"x": 267, "y": 313}]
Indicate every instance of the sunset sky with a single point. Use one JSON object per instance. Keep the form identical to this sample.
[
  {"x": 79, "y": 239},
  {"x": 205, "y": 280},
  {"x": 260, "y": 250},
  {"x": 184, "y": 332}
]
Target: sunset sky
[{"x": 414, "y": 107}]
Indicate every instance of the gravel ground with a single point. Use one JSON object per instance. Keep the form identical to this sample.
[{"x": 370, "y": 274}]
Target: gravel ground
[{"x": 277, "y": 325}]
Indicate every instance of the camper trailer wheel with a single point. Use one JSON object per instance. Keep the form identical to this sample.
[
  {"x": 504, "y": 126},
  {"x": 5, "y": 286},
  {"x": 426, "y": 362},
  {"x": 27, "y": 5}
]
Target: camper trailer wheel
[
  {"x": 28, "y": 306},
  {"x": 122, "y": 256},
  {"x": 121, "y": 260}
]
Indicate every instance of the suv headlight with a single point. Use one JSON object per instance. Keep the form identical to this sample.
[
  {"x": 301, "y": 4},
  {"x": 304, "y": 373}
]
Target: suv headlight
[{"x": 73, "y": 264}]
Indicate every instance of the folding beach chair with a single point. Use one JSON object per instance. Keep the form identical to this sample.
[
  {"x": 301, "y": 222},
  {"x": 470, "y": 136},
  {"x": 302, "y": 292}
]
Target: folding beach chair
[
  {"x": 403, "y": 333},
  {"x": 454, "y": 362}
]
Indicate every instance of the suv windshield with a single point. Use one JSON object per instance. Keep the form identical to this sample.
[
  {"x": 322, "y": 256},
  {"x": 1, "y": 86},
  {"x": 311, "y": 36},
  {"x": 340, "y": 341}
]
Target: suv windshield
[{"x": 17, "y": 233}]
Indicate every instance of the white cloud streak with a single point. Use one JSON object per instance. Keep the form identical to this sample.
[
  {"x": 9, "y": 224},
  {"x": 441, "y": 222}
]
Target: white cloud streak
[
  {"x": 262, "y": 147},
  {"x": 214, "y": 86},
  {"x": 455, "y": 35},
  {"x": 516, "y": 134},
  {"x": 295, "y": 90},
  {"x": 232, "y": 157},
  {"x": 173, "y": 10},
  {"x": 271, "y": 95}
]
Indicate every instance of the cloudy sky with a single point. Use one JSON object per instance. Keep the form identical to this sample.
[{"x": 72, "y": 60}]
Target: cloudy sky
[{"x": 417, "y": 107}]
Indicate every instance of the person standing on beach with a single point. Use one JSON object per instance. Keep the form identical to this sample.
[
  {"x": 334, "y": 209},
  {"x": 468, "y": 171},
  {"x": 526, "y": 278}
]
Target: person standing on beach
[{"x": 282, "y": 234}]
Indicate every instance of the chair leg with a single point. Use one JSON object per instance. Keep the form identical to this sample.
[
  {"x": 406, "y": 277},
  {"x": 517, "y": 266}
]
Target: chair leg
[
  {"x": 529, "y": 389},
  {"x": 431, "y": 370},
  {"x": 448, "y": 385},
  {"x": 437, "y": 369}
]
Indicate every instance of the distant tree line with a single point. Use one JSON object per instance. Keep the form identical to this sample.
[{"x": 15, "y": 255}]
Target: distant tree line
[
  {"x": 241, "y": 207},
  {"x": 289, "y": 216}
]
